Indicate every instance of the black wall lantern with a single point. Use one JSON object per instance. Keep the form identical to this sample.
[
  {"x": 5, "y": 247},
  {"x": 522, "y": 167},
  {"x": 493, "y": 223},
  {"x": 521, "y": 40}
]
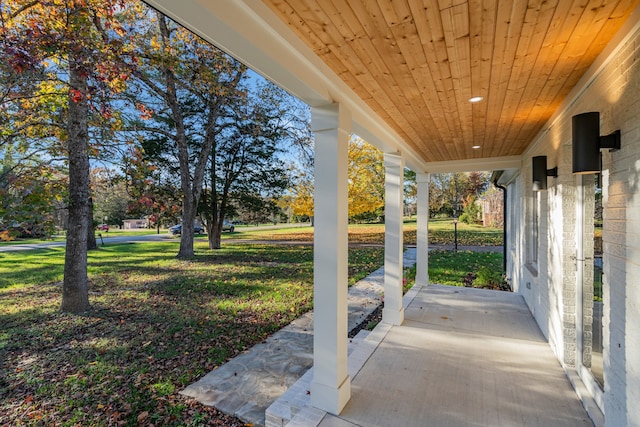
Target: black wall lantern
[
  {"x": 587, "y": 143},
  {"x": 540, "y": 172}
]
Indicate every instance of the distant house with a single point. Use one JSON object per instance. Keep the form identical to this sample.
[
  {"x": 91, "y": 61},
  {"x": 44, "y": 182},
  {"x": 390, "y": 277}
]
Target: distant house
[
  {"x": 492, "y": 209},
  {"x": 132, "y": 224}
]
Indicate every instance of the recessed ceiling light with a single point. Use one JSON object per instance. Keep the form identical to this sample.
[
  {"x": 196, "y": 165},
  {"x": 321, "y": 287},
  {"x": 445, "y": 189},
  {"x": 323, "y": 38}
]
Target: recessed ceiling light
[
  {"x": 475, "y": 99},
  {"x": 475, "y": 147}
]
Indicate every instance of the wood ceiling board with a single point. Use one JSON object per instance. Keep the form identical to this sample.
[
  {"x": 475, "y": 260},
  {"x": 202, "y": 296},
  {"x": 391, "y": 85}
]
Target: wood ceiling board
[
  {"x": 430, "y": 30},
  {"x": 378, "y": 45},
  {"x": 429, "y": 72},
  {"x": 423, "y": 89},
  {"x": 523, "y": 66},
  {"x": 509, "y": 22},
  {"x": 556, "y": 39},
  {"x": 596, "y": 17},
  {"x": 455, "y": 23},
  {"x": 416, "y": 62},
  {"x": 418, "y": 82},
  {"x": 401, "y": 84},
  {"x": 482, "y": 29}
]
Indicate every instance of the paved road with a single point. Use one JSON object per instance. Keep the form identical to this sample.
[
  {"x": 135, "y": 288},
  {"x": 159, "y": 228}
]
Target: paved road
[
  {"x": 107, "y": 239},
  {"x": 127, "y": 239}
]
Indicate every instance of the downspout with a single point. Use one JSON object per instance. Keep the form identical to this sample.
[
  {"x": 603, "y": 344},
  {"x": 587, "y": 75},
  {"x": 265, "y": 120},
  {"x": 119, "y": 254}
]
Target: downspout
[{"x": 495, "y": 177}]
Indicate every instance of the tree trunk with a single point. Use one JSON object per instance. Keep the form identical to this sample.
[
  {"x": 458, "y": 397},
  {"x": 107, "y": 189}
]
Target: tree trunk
[
  {"x": 190, "y": 187},
  {"x": 215, "y": 237},
  {"x": 188, "y": 221},
  {"x": 91, "y": 231},
  {"x": 75, "y": 288}
]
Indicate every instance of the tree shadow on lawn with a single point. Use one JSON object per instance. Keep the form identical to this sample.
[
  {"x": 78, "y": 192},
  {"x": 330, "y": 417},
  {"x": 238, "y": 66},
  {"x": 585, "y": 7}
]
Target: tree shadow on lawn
[
  {"x": 144, "y": 340},
  {"x": 126, "y": 356}
]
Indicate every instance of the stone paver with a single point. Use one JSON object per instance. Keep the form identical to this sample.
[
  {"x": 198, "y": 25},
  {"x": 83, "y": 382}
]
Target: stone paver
[{"x": 248, "y": 384}]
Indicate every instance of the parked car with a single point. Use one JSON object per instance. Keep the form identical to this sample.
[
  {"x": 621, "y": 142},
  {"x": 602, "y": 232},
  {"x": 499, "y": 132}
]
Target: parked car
[
  {"x": 228, "y": 226},
  {"x": 177, "y": 229},
  {"x": 103, "y": 227}
]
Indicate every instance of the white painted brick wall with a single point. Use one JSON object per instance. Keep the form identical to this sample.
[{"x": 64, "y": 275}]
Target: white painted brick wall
[{"x": 552, "y": 294}]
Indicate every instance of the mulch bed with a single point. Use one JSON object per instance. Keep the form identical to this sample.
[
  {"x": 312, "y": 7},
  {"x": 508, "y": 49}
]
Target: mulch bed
[{"x": 470, "y": 277}]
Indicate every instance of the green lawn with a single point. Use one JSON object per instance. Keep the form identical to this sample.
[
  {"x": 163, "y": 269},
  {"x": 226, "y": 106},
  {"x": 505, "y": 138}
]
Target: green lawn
[
  {"x": 157, "y": 325},
  {"x": 450, "y": 268},
  {"x": 61, "y": 237},
  {"x": 441, "y": 232}
]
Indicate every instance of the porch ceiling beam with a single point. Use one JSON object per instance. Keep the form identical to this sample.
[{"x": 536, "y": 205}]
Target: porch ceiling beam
[{"x": 470, "y": 165}]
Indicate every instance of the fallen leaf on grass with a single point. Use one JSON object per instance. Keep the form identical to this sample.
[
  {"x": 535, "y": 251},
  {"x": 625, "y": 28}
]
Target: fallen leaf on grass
[{"x": 142, "y": 417}]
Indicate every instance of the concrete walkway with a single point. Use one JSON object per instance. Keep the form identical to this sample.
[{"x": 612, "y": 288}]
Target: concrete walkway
[
  {"x": 463, "y": 357},
  {"x": 248, "y": 384}
]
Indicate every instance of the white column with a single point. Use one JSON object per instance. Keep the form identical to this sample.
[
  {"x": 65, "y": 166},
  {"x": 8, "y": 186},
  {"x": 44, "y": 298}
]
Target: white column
[
  {"x": 393, "y": 311},
  {"x": 422, "y": 247},
  {"x": 331, "y": 385}
]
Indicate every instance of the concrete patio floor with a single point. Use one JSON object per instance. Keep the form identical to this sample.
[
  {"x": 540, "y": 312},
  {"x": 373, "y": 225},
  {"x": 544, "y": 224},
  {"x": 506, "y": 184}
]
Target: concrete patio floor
[{"x": 463, "y": 357}]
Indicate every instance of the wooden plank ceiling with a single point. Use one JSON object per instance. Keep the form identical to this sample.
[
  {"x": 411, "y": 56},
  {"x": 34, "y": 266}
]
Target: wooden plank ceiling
[{"x": 417, "y": 62}]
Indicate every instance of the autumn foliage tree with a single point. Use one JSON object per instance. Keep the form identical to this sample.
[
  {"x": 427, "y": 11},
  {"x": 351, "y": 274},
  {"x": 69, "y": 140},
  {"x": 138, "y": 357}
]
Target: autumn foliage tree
[
  {"x": 450, "y": 193},
  {"x": 151, "y": 195},
  {"x": 29, "y": 195},
  {"x": 302, "y": 199},
  {"x": 73, "y": 48},
  {"x": 366, "y": 178},
  {"x": 365, "y": 187}
]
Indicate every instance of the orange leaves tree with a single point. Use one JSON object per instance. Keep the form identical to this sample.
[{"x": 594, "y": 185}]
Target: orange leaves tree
[
  {"x": 70, "y": 52},
  {"x": 150, "y": 194},
  {"x": 450, "y": 193}
]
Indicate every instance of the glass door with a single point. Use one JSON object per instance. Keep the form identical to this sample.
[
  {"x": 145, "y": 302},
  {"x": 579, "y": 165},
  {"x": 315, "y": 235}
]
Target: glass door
[
  {"x": 589, "y": 276},
  {"x": 597, "y": 363}
]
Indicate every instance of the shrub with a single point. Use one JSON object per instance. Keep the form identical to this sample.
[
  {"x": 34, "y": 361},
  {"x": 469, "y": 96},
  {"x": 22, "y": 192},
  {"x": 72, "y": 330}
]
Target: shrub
[
  {"x": 472, "y": 213},
  {"x": 486, "y": 277},
  {"x": 465, "y": 218}
]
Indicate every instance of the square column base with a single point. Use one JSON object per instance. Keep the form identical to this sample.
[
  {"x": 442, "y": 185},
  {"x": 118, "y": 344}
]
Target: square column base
[
  {"x": 329, "y": 398},
  {"x": 393, "y": 317}
]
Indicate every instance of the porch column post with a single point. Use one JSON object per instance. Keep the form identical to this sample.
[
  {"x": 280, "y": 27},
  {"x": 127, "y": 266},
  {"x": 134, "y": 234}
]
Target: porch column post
[
  {"x": 331, "y": 385},
  {"x": 393, "y": 311},
  {"x": 422, "y": 238}
]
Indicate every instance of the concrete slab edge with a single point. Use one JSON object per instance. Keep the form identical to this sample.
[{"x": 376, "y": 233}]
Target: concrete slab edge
[
  {"x": 293, "y": 408},
  {"x": 295, "y": 403},
  {"x": 589, "y": 404}
]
